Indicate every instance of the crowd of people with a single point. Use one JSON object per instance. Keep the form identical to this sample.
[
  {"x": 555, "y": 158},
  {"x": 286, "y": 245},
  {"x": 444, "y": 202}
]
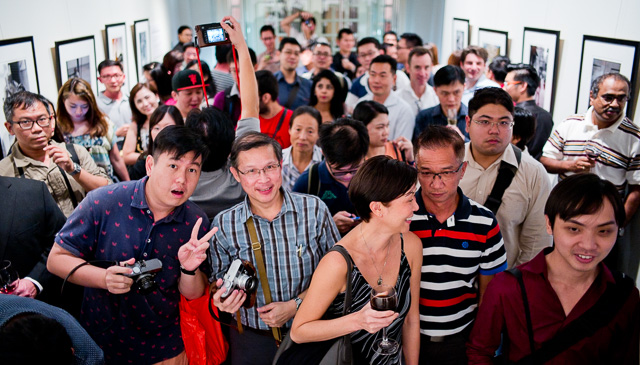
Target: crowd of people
[{"x": 373, "y": 193}]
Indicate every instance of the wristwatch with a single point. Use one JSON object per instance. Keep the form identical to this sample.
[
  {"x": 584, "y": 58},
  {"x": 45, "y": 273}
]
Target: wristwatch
[
  {"x": 76, "y": 169},
  {"x": 187, "y": 272},
  {"x": 298, "y": 302}
]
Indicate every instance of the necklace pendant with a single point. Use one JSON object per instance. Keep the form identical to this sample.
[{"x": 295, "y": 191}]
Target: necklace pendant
[{"x": 380, "y": 280}]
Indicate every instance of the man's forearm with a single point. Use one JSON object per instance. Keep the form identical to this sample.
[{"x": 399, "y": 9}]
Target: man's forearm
[
  {"x": 90, "y": 182},
  {"x": 632, "y": 202},
  {"x": 192, "y": 286},
  {"x": 554, "y": 166},
  {"x": 61, "y": 262}
]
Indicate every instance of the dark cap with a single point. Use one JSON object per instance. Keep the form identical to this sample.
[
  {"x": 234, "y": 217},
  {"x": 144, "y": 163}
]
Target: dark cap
[{"x": 186, "y": 79}]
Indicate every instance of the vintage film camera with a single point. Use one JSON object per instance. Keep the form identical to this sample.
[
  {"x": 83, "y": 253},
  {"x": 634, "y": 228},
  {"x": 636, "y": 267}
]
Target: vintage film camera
[
  {"x": 211, "y": 34},
  {"x": 242, "y": 276},
  {"x": 143, "y": 275}
]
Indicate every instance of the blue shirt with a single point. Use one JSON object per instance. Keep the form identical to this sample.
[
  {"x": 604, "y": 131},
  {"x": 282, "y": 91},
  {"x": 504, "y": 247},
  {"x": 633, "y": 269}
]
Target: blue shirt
[
  {"x": 115, "y": 223},
  {"x": 332, "y": 192},
  {"x": 304, "y": 91},
  {"x": 435, "y": 116}
]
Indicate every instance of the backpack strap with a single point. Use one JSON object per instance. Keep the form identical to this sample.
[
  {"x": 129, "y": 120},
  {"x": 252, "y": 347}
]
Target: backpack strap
[
  {"x": 313, "y": 182},
  {"x": 284, "y": 114},
  {"x": 506, "y": 173}
]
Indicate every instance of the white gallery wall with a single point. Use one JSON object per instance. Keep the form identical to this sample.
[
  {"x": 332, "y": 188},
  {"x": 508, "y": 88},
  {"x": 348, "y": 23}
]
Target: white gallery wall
[{"x": 573, "y": 18}]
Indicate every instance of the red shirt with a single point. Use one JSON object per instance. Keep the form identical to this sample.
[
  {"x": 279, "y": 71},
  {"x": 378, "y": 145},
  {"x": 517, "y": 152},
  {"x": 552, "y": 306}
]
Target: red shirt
[
  {"x": 268, "y": 126},
  {"x": 502, "y": 308}
]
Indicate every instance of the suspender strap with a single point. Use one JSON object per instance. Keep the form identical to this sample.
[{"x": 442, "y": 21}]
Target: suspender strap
[
  {"x": 284, "y": 113},
  {"x": 503, "y": 180},
  {"x": 292, "y": 94},
  {"x": 262, "y": 272}
]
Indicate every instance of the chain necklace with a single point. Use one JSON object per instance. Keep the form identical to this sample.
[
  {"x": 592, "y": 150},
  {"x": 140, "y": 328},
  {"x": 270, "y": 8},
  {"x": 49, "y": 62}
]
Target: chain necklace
[{"x": 371, "y": 256}]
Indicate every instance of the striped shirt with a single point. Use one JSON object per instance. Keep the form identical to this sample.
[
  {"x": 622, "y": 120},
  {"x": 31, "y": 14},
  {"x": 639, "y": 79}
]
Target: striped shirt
[
  {"x": 290, "y": 173},
  {"x": 454, "y": 252},
  {"x": 619, "y": 146},
  {"x": 292, "y": 246}
]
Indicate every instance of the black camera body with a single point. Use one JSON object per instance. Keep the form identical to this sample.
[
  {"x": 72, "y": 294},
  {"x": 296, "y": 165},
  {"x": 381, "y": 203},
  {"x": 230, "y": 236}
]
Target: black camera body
[
  {"x": 143, "y": 275},
  {"x": 242, "y": 276},
  {"x": 212, "y": 34}
]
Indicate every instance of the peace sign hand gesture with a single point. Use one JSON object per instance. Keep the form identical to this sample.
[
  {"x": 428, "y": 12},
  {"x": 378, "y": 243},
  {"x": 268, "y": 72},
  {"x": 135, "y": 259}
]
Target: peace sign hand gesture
[{"x": 194, "y": 252}]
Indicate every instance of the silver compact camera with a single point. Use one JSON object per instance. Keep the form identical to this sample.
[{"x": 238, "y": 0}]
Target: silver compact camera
[{"x": 241, "y": 275}]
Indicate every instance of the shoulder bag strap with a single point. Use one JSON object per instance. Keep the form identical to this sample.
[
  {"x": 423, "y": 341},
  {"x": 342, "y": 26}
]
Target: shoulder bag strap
[
  {"x": 313, "y": 182},
  {"x": 503, "y": 180},
  {"x": 347, "y": 297},
  {"x": 72, "y": 152},
  {"x": 518, "y": 275},
  {"x": 262, "y": 272},
  {"x": 292, "y": 94},
  {"x": 284, "y": 114}
]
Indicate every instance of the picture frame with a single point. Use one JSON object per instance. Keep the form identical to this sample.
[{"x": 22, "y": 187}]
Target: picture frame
[
  {"x": 17, "y": 68},
  {"x": 460, "y": 34},
  {"x": 496, "y": 42},
  {"x": 116, "y": 49},
  {"x": 77, "y": 58},
  {"x": 541, "y": 49},
  {"x": 142, "y": 43},
  {"x": 601, "y": 55}
]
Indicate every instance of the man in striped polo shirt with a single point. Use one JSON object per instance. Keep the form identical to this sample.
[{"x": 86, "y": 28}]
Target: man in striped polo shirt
[{"x": 462, "y": 248}]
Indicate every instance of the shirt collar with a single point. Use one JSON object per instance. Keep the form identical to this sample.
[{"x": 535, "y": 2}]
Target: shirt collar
[
  {"x": 463, "y": 210},
  {"x": 588, "y": 117},
  {"x": 22, "y": 160},
  {"x": 287, "y": 206},
  {"x": 139, "y": 201},
  {"x": 507, "y": 156},
  {"x": 280, "y": 77},
  {"x": 538, "y": 265}
]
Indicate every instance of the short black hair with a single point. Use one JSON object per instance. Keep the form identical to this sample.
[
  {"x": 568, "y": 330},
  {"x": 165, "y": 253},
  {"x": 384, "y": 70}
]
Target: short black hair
[
  {"x": 267, "y": 84},
  {"x": 158, "y": 115},
  {"x": 179, "y": 140},
  {"x": 499, "y": 67},
  {"x": 344, "y": 142},
  {"x": 188, "y": 45},
  {"x": 525, "y": 73},
  {"x": 367, "y": 40},
  {"x": 252, "y": 55},
  {"x": 306, "y": 110},
  {"x": 218, "y": 131},
  {"x": 150, "y": 66},
  {"x": 383, "y": 58},
  {"x": 390, "y": 32},
  {"x": 109, "y": 63},
  {"x": 288, "y": 40},
  {"x": 440, "y": 136},
  {"x": 183, "y": 28},
  {"x": 582, "y": 194},
  {"x": 524, "y": 126},
  {"x": 412, "y": 39},
  {"x": 447, "y": 75},
  {"x": 595, "y": 85},
  {"x": 490, "y": 95},
  {"x": 249, "y": 141},
  {"x": 344, "y": 31},
  {"x": 381, "y": 179},
  {"x": 368, "y": 110},
  {"x": 221, "y": 53},
  {"x": 268, "y": 28},
  {"x": 24, "y": 100}
]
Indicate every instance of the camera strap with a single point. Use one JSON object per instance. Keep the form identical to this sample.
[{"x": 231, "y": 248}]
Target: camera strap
[{"x": 262, "y": 272}]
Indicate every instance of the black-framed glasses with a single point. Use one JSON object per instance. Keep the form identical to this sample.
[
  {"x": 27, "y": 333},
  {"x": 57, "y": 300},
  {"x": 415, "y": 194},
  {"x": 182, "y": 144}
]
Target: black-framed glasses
[
  {"x": 254, "y": 173},
  {"x": 503, "y": 125},
  {"x": 341, "y": 173},
  {"x": 444, "y": 175},
  {"x": 27, "y": 124},
  {"x": 608, "y": 98}
]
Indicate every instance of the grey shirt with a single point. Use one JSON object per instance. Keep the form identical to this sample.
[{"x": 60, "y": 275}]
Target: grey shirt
[{"x": 118, "y": 111}]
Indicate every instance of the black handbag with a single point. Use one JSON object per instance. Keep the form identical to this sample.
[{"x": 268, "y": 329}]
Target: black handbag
[{"x": 332, "y": 352}]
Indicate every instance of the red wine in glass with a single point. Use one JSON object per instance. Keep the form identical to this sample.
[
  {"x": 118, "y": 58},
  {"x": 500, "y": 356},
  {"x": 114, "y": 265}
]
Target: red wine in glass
[
  {"x": 8, "y": 277},
  {"x": 383, "y": 298}
]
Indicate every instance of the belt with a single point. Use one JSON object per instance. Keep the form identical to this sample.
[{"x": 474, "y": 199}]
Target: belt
[
  {"x": 266, "y": 333},
  {"x": 462, "y": 334}
]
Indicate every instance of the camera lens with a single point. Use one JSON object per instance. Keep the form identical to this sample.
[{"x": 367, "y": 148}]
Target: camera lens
[
  {"x": 247, "y": 283},
  {"x": 146, "y": 284}
]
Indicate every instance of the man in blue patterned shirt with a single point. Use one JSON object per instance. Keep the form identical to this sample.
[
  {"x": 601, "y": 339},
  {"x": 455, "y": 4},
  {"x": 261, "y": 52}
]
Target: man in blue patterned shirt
[{"x": 294, "y": 230}]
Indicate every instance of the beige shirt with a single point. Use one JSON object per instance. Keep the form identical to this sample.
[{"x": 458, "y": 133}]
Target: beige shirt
[
  {"x": 51, "y": 175},
  {"x": 521, "y": 214}
]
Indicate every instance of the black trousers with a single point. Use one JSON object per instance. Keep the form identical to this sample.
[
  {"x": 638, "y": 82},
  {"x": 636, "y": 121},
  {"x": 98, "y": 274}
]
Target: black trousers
[
  {"x": 250, "y": 348},
  {"x": 452, "y": 351}
]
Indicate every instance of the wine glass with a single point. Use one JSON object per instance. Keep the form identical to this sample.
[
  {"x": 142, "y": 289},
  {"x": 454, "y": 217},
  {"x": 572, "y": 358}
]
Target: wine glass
[
  {"x": 383, "y": 298},
  {"x": 8, "y": 277}
]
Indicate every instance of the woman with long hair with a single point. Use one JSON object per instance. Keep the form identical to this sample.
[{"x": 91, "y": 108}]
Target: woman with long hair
[
  {"x": 82, "y": 123},
  {"x": 327, "y": 96},
  {"x": 385, "y": 255},
  {"x": 143, "y": 101},
  {"x": 303, "y": 152}
]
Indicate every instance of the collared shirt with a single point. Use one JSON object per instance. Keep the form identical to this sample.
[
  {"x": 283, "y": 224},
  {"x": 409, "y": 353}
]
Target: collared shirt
[
  {"x": 292, "y": 245},
  {"x": 427, "y": 100},
  {"x": 482, "y": 82},
  {"x": 455, "y": 252},
  {"x": 273, "y": 64},
  {"x": 290, "y": 173},
  {"x": 360, "y": 87},
  {"x": 401, "y": 118},
  {"x": 619, "y": 144},
  {"x": 116, "y": 223},
  {"x": 119, "y": 111},
  {"x": 435, "y": 116},
  {"x": 521, "y": 214},
  {"x": 304, "y": 91},
  {"x": 544, "y": 126},
  {"x": 502, "y": 312},
  {"x": 332, "y": 192},
  {"x": 51, "y": 174}
]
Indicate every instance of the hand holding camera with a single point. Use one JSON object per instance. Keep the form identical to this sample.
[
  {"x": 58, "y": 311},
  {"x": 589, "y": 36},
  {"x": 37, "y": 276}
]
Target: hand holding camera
[
  {"x": 115, "y": 280},
  {"x": 237, "y": 288}
]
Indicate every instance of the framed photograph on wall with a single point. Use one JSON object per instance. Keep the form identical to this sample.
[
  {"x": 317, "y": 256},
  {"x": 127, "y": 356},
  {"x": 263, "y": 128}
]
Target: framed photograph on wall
[
  {"x": 541, "y": 49},
  {"x": 604, "y": 55},
  {"x": 17, "y": 68},
  {"x": 496, "y": 42},
  {"x": 77, "y": 58},
  {"x": 116, "y": 39},
  {"x": 142, "y": 44},
  {"x": 460, "y": 34}
]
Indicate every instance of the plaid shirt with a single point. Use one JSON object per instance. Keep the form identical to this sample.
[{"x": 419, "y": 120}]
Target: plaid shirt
[{"x": 292, "y": 246}]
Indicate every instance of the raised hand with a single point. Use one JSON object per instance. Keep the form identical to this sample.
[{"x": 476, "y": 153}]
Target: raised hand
[{"x": 194, "y": 252}]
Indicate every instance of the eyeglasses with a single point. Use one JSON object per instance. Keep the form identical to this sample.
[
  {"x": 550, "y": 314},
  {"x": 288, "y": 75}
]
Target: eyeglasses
[
  {"x": 322, "y": 54},
  {"x": 341, "y": 173},
  {"x": 485, "y": 124},
  {"x": 444, "y": 175},
  {"x": 512, "y": 83},
  {"x": 254, "y": 173},
  {"x": 111, "y": 77},
  {"x": 608, "y": 98},
  {"x": 365, "y": 55},
  {"x": 291, "y": 53},
  {"x": 27, "y": 124}
]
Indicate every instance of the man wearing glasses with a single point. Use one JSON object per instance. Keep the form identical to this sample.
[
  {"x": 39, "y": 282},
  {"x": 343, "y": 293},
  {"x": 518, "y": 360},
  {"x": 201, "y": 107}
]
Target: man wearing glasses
[
  {"x": 519, "y": 198},
  {"x": 36, "y": 156},
  {"x": 113, "y": 101},
  {"x": 294, "y": 230},
  {"x": 461, "y": 243}
]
